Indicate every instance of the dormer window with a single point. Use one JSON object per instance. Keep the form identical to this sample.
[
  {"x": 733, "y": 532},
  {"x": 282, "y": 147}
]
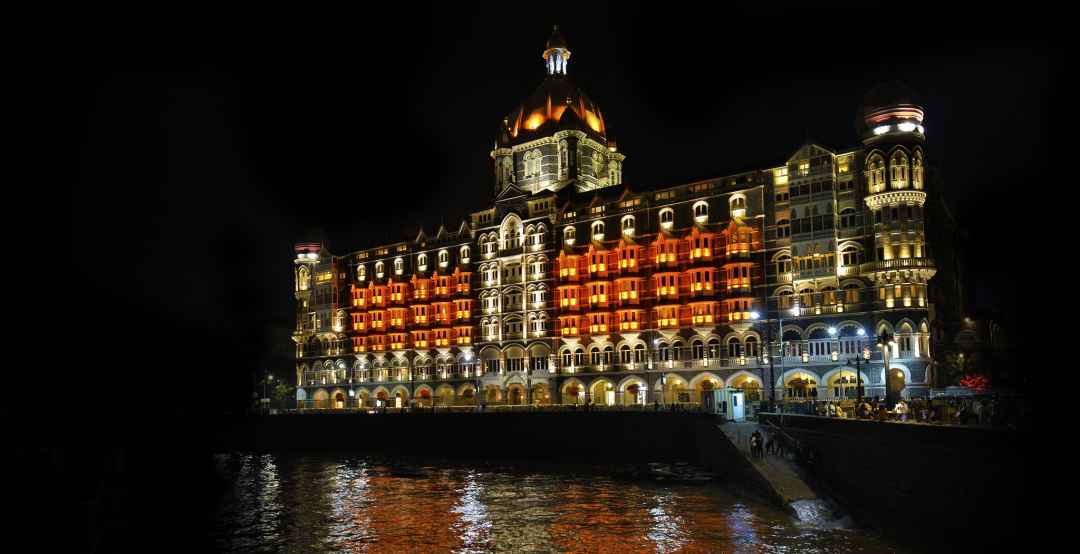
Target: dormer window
[
  {"x": 738, "y": 206},
  {"x": 667, "y": 218},
  {"x": 701, "y": 212}
]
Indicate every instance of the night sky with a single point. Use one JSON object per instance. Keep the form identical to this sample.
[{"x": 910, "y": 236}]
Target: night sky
[{"x": 206, "y": 150}]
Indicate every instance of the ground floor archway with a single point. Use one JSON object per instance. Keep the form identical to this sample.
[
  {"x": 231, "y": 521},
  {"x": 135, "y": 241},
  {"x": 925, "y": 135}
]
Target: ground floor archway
[
  {"x": 801, "y": 386},
  {"x": 749, "y": 384},
  {"x": 541, "y": 395},
  {"x": 444, "y": 395},
  {"x": 676, "y": 389},
  {"x": 894, "y": 389},
  {"x": 423, "y": 398},
  {"x": 492, "y": 394},
  {"x": 515, "y": 394},
  {"x": 321, "y": 399},
  {"x": 573, "y": 392},
  {"x": 602, "y": 393}
]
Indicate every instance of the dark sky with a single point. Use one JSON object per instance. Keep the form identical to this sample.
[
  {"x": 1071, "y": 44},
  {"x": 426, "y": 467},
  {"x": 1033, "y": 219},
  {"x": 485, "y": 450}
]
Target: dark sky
[{"x": 206, "y": 149}]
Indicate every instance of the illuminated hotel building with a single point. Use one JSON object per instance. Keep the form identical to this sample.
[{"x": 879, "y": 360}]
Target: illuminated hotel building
[{"x": 573, "y": 287}]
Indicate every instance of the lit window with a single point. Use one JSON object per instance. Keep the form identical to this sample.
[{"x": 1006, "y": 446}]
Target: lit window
[
  {"x": 532, "y": 163},
  {"x": 701, "y": 212}
]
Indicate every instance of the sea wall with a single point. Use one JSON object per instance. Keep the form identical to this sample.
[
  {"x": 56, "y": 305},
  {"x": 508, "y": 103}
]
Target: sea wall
[
  {"x": 601, "y": 437},
  {"x": 949, "y": 487}
]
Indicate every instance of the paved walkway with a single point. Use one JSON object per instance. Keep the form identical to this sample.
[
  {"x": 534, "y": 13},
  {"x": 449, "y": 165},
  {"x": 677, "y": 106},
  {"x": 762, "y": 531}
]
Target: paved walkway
[{"x": 777, "y": 471}]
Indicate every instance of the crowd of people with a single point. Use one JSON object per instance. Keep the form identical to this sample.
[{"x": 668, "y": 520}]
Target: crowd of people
[{"x": 952, "y": 411}]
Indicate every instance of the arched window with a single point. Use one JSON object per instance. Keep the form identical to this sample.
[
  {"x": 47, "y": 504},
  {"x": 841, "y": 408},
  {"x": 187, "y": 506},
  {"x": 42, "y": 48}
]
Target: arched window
[
  {"x": 624, "y": 354},
  {"x": 532, "y": 163},
  {"x": 752, "y": 350},
  {"x": 303, "y": 279},
  {"x": 785, "y": 299},
  {"x": 667, "y": 218},
  {"x": 848, "y": 218},
  {"x": 783, "y": 264},
  {"x": 851, "y": 293},
  {"x": 899, "y": 170},
  {"x": 917, "y": 171},
  {"x": 733, "y": 347},
  {"x": 614, "y": 173},
  {"x": 639, "y": 353},
  {"x": 421, "y": 261},
  {"x": 465, "y": 254},
  {"x": 783, "y": 229},
  {"x": 444, "y": 258},
  {"x": 568, "y": 234},
  {"x": 698, "y": 350},
  {"x": 609, "y": 352},
  {"x": 594, "y": 356},
  {"x": 714, "y": 348},
  {"x": 676, "y": 351},
  {"x": 598, "y": 230},
  {"x": 875, "y": 174},
  {"x": 628, "y": 225},
  {"x": 564, "y": 163},
  {"x": 664, "y": 352},
  {"x": 380, "y": 269},
  {"x": 507, "y": 170},
  {"x": 850, "y": 256},
  {"x": 579, "y": 356},
  {"x": 399, "y": 266},
  {"x": 737, "y": 205},
  {"x": 701, "y": 212}
]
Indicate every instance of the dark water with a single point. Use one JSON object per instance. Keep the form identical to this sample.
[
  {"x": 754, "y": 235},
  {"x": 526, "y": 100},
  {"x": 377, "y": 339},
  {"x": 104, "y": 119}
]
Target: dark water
[{"x": 345, "y": 503}]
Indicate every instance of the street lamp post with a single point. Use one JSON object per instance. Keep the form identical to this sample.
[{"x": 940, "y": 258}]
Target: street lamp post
[
  {"x": 885, "y": 342},
  {"x": 865, "y": 354},
  {"x": 656, "y": 362}
]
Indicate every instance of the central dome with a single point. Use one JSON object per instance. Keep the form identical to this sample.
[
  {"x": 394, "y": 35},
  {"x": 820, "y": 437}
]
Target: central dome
[{"x": 555, "y": 105}]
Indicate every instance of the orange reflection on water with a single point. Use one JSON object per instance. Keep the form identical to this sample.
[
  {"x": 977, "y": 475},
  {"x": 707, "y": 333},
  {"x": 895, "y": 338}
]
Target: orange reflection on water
[
  {"x": 407, "y": 515},
  {"x": 600, "y": 520}
]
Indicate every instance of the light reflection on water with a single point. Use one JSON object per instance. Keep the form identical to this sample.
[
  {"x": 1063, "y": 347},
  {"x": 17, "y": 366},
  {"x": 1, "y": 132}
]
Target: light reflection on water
[{"x": 343, "y": 503}]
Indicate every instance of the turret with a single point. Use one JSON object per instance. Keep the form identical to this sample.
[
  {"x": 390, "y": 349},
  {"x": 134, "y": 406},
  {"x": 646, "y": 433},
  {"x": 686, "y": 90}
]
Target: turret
[{"x": 894, "y": 168}]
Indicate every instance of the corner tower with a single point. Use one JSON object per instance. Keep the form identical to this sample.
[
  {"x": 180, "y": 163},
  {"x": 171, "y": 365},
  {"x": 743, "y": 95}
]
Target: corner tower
[
  {"x": 891, "y": 128},
  {"x": 557, "y": 137}
]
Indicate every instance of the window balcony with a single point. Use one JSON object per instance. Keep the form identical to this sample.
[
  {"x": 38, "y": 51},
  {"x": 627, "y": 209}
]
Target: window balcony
[{"x": 897, "y": 263}]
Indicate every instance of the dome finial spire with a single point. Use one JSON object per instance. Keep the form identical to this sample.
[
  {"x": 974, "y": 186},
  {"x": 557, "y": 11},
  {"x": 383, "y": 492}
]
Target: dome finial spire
[{"x": 556, "y": 53}]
